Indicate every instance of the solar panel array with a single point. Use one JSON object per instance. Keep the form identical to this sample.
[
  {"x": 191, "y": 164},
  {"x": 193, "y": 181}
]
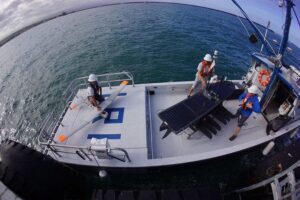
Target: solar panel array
[{"x": 191, "y": 110}]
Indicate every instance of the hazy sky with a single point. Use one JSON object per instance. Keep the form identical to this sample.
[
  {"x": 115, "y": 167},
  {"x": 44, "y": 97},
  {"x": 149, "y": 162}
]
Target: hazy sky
[{"x": 15, "y": 14}]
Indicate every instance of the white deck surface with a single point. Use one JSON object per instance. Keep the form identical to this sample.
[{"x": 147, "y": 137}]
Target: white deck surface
[
  {"x": 199, "y": 143},
  {"x": 132, "y": 130},
  {"x": 177, "y": 148},
  {"x": 144, "y": 143}
]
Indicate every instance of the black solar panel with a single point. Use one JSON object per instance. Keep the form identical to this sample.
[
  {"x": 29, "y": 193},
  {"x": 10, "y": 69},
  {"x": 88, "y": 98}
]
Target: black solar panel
[
  {"x": 177, "y": 117},
  {"x": 198, "y": 104},
  {"x": 181, "y": 115}
]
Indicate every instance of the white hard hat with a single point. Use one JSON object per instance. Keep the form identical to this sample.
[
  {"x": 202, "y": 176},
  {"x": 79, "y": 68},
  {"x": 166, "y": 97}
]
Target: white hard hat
[
  {"x": 92, "y": 78},
  {"x": 207, "y": 57},
  {"x": 253, "y": 89}
]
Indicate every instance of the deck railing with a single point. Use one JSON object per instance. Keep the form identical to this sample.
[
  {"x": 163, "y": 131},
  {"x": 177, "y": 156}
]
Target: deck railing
[
  {"x": 109, "y": 80},
  {"x": 87, "y": 152},
  {"x": 51, "y": 123},
  {"x": 284, "y": 185}
]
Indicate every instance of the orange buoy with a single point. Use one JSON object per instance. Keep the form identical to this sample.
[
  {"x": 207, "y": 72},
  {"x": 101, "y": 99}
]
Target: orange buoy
[{"x": 264, "y": 77}]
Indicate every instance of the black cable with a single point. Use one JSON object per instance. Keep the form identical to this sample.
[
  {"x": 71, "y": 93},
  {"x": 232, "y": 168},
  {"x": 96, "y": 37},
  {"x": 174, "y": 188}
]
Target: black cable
[{"x": 296, "y": 16}]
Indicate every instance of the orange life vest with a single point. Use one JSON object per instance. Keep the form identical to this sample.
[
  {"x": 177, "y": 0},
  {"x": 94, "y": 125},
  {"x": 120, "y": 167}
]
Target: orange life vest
[
  {"x": 204, "y": 71},
  {"x": 244, "y": 101}
]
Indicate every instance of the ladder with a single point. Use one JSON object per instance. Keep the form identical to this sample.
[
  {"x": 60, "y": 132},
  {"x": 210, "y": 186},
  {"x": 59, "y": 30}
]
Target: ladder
[
  {"x": 285, "y": 185},
  {"x": 287, "y": 188}
]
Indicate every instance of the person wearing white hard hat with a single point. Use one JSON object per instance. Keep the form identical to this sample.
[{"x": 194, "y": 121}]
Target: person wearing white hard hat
[
  {"x": 204, "y": 70},
  {"x": 94, "y": 92},
  {"x": 249, "y": 103}
]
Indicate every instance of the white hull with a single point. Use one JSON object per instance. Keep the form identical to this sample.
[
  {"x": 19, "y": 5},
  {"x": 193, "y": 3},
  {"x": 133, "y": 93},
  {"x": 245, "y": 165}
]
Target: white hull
[{"x": 140, "y": 136}]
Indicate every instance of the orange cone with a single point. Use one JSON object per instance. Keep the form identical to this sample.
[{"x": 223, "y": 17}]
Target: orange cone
[
  {"x": 62, "y": 138},
  {"x": 73, "y": 106}
]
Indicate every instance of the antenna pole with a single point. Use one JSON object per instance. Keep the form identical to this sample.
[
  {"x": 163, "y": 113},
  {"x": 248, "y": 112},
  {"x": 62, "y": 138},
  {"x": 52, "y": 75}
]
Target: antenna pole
[
  {"x": 287, "y": 24},
  {"x": 265, "y": 37}
]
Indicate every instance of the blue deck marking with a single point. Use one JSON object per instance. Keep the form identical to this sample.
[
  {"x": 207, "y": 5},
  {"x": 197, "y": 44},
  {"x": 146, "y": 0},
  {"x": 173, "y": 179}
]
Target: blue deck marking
[
  {"x": 120, "y": 94},
  {"x": 108, "y": 120},
  {"x": 116, "y": 136},
  {"x": 118, "y": 120}
]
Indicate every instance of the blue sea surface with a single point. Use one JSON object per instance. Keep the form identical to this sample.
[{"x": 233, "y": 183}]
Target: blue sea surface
[{"x": 155, "y": 42}]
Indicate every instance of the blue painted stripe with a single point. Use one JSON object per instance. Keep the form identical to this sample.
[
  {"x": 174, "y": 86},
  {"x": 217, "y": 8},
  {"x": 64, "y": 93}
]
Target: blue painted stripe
[
  {"x": 120, "y": 94},
  {"x": 115, "y": 136}
]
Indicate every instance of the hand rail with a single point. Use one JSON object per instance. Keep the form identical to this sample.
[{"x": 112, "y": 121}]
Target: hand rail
[
  {"x": 47, "y": 130},
  {"x": 45, "y": 124},
  {"x": 123, "y": 150},
  {"x": 102, "y": 78},
  {"x": 269, "y": 180},
  {"x": 75, "y": 148},
  {"x": 70, "y": 93}
]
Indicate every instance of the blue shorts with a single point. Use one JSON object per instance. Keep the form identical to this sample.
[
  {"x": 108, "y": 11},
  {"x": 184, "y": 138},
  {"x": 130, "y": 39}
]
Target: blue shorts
[{"x": 241, "y": 118}]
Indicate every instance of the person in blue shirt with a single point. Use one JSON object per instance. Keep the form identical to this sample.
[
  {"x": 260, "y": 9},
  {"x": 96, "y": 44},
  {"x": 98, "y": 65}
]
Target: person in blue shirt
[{"x": 249, "y": 103}]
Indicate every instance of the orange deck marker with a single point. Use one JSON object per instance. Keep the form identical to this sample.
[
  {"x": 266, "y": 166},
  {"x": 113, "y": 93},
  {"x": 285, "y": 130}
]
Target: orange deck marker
[
  {"x": 73, "y": 106},
  {"x": 124, "y": 83},
  {"x": 62, "y": 138}
]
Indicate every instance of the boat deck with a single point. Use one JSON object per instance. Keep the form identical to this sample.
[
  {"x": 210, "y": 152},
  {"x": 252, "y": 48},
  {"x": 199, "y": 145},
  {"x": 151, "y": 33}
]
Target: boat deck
[
  {"x": 133, "y": 125},
  {"x": 124, "y": 127},
  {"x": 181, "y": 145}
]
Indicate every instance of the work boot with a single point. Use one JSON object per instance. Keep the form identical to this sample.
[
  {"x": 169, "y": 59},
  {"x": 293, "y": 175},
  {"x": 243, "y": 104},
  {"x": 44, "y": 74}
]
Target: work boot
[{"x": 232, "y": 137}]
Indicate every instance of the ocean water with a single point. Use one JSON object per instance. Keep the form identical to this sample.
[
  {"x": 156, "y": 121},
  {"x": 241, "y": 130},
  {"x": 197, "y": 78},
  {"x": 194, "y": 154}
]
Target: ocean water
[{"x": 155, "y": 42}]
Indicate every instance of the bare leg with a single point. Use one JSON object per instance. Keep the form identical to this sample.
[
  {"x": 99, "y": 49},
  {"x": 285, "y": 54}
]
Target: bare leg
[
  {"x": 94, "y": 103},
  {"x": 237, "y": 131},
  {"x": 190, "y": 91},
  {"x": 235, "y": 134}
]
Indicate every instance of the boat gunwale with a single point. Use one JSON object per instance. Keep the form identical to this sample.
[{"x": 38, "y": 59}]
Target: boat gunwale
[{"x": 185, "y": 159}]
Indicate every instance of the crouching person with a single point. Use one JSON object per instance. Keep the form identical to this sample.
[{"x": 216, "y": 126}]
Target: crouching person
[{"x": 95, "y": 94}]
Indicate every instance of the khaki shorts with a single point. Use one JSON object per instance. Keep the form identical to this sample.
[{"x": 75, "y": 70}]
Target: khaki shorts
[{"x": 197, "y": 85}]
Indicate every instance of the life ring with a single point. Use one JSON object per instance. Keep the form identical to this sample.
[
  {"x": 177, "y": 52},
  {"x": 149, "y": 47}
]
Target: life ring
[{"x": 263, "y": 77}]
